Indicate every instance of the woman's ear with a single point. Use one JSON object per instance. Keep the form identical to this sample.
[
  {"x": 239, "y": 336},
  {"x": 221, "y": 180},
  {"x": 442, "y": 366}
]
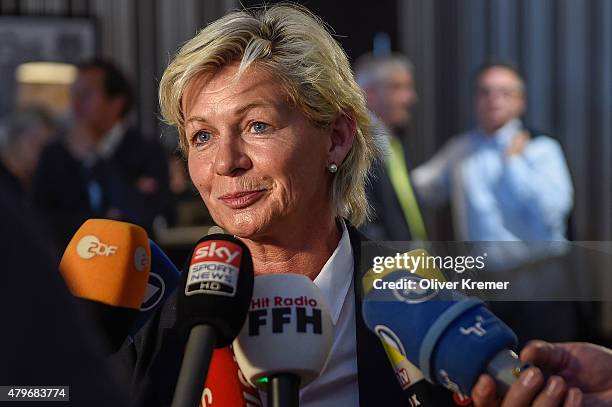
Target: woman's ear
[{"x": 343, "y": 129}]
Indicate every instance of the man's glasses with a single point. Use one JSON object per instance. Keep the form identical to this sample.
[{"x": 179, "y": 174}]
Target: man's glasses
[{"x": 504, "y": 92}]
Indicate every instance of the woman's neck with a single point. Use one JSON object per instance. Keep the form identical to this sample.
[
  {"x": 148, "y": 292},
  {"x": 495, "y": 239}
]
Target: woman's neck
[{"x": 300, "y": 251}]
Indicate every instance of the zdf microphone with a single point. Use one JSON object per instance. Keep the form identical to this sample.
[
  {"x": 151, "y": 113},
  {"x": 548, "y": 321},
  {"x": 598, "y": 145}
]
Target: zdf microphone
[
  {"x": 215, "y": 292},
  {"x": 452, "y": 339},
  {"x": 287, "y": 337},
  {"x": 106, "y": 267}
]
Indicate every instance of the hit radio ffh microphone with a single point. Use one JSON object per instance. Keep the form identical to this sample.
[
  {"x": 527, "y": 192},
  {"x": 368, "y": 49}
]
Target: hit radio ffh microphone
[
  {"x": 215, "y": 292},
  {"x": 417, "y": 390},
  {"x": 287, "y": 337},
  {"x": 106, "y": 267},
  {"x": 452, "y": 339},
  {"x": 163, "y": 279}
]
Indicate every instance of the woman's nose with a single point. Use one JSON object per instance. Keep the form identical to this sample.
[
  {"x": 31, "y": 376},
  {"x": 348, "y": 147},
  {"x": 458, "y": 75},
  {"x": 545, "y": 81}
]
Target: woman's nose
[{"x": 231, "y": 158}]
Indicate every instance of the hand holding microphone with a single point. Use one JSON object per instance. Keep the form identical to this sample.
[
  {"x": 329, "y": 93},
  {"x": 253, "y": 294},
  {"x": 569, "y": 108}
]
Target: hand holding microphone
[
  {"x": 582, "y": 374},
  {"x": 287, "y": 337}
]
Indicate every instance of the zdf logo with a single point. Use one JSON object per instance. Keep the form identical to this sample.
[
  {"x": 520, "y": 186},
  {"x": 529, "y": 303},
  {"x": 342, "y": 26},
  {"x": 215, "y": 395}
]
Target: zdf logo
[{"x": 90, "y": 246}]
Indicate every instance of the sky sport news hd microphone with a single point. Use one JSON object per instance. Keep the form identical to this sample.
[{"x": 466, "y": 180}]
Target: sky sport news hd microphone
[
  {"x": 106, "y": 267},
  {"x": 417, "y": 390},
  {"x": 214, "y": 297},
  {"x": 452, "y": 339},
  {"x": 287, "y": 337},
  {"x": 163, "y": 279}
]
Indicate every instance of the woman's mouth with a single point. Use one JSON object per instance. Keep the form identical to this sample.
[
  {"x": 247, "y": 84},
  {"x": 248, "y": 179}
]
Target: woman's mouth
[{"x": 239, "y": 200}]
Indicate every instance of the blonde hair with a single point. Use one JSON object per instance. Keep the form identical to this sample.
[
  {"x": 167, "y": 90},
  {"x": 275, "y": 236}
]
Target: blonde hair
[{"x": 294, "y": 44}]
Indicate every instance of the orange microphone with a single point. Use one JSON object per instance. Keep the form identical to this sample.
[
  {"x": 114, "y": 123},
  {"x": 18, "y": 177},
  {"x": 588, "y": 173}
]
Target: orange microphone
[{"x": 106, "y": 266}]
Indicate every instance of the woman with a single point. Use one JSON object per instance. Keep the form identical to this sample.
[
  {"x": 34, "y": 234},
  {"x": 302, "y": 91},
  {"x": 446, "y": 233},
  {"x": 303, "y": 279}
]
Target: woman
[{"x": 276, "y": 135}]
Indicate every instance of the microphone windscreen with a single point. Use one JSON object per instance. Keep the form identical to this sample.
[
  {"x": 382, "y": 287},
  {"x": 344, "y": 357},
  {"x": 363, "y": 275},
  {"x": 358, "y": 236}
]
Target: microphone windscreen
[
  {"x": 288, "y": 330},
  {"x": 108, "y": 262},
  {"x": 106, "y": 267},
  {"x": 408, "y": 375},
  {"x": 448, "y": 336},
  {"x": 216, "y": 288},
  {"x": 163, "y": 279}
]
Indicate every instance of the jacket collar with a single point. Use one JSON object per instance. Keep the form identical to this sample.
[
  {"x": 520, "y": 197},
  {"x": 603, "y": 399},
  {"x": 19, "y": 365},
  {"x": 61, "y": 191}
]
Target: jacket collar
[{"x": 377, "y": 382}]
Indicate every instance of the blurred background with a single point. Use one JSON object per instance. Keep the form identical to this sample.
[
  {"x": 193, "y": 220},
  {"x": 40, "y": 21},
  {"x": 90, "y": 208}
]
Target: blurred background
[{"x": 562, "y": 47}]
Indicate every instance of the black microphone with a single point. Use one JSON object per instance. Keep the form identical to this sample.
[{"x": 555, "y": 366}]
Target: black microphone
[{"x": 212, "y": 304}]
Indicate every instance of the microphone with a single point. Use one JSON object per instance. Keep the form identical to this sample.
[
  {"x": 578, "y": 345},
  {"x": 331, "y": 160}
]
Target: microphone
[
  {"x": 226, "y": 385},
  {"x": 163, "y": 279},
  {"x": 106, "y": 267},
  {"x": 417, "y": 390},
  {"x": 451, "y": 338},
  {"x": 211, "y": 307},
  {"x": 287, "y": 337}
]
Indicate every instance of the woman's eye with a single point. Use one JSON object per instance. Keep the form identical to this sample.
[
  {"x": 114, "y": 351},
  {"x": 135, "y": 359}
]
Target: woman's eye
[
  {"x": 201, "y": 137},
  {"x": 259, "y": 127}
]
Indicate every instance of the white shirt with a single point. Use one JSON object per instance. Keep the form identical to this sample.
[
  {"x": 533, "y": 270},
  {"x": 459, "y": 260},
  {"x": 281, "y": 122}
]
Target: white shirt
[
  {"x": 337, "y": 385},
  {"x": 104, "y": 150},
  {"x": 107, "y": 146}
]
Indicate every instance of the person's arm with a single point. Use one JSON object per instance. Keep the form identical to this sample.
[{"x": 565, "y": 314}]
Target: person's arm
[
  {"x": 482, "y": 214},
  {"x": 538, "y": 177},
  {"x": 431, "y": 180},
  {"x": 581, "y": 375},
  {"x": 484, "y": 221}
]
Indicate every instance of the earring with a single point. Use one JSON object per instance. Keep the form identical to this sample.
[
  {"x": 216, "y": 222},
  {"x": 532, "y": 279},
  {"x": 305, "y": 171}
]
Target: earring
[{"x": 332, "y": 168}]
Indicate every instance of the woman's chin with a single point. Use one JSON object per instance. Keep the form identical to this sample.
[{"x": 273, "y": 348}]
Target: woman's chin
[{"x": 244, "y": 225}]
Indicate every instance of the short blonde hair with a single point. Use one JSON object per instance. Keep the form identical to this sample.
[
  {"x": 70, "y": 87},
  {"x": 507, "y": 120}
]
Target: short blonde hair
[{"x": 294, "y": 44}]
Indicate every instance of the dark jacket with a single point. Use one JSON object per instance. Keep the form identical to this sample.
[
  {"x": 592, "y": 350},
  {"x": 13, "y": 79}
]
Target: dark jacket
[
  {"x": 155, "y": 357},
  {"x": 47, "y": 340},
  {"x": 60, "y": 185},
  {"x": 388, "y": 221}
]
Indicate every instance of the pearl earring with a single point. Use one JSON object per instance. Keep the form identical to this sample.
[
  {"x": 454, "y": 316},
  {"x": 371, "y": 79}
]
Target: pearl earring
[{"x": 332, "y": 168}]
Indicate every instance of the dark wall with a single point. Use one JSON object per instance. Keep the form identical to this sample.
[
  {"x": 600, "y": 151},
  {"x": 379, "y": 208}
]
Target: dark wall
[{"x": 354, "y": 22}]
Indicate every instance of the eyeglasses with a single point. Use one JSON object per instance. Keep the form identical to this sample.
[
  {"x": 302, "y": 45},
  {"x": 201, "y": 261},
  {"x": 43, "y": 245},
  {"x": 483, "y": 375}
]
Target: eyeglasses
[{"x": 504, "y": 92}]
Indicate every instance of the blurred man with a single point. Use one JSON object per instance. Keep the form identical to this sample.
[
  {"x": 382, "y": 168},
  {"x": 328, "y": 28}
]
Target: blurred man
[
  {"x": 102, "y": 168},
  {"x": 504, "y": 181},
  {"x": 388, "y": 84},
  {"x": 22, "y": 139},
  {"x": 508, "y": 183}
]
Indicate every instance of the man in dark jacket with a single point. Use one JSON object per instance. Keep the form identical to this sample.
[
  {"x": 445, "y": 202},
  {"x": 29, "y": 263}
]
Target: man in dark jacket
[
  {"x": 102, "y": 168},
  {"x": 388, "y": 84}
]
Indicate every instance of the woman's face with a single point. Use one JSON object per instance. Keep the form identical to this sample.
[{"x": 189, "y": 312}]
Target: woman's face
[{"x": 256, "y": 160}]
